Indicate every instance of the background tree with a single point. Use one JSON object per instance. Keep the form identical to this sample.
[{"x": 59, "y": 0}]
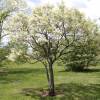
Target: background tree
[
  {"x": 85, "y": 50},
  {"x": 3, "y": 50},
  {"x": 7, "y": 8}
]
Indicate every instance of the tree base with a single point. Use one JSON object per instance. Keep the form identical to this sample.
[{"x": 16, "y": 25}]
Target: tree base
[{"x": 52, "y": 93}]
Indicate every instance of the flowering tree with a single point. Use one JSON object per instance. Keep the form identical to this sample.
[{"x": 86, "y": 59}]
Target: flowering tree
[{"x": 49, "y": 32}]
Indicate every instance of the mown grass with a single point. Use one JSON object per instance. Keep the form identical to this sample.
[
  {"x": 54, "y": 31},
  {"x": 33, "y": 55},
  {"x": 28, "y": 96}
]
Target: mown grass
[{"x": 26, "y": 81}]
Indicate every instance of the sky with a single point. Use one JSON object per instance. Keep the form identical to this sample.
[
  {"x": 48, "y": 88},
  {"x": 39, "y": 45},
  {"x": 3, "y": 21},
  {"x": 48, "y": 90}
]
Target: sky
[{"x": 89, "y": 7}]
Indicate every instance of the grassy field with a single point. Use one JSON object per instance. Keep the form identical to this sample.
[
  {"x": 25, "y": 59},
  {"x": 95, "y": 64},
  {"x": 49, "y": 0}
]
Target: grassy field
[{"x": 25, "y": 82}]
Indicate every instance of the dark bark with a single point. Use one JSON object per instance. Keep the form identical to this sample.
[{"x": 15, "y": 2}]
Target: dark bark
[
  {"x": 0, "y": 30},
  {"x": 47, "y": 73},
  {"x": 51, "y": 80}
]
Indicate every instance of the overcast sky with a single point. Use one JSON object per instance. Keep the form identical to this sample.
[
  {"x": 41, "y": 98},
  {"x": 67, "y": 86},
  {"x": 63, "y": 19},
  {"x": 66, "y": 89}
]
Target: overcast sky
[{"x": 89, "y": 7}]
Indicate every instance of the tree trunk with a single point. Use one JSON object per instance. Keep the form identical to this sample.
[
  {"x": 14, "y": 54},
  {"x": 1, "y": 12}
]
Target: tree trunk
[
  {"x": 51, "y": 80},
  {"x": 0, "y": 31},
  {"x": 47, "y": 73}
]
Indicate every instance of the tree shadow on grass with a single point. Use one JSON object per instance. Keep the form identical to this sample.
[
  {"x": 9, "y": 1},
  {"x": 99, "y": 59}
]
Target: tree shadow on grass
[
  {"x": 79, "y": 91},
  {"x": 26, "y": 71},
  {"x": 92, "y": 70},
  {"x": 14, "y": 74},
  {"x": 68, "y": 92}
]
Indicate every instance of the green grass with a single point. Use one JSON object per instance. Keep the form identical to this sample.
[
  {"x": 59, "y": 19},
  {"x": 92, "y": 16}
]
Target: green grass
[{"x": 23, "y": 82}]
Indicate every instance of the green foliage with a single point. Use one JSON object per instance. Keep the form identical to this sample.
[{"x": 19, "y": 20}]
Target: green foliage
[
  {"x": 84, "y": 52},
  {"x": 4, "y": 51},
  {"x": 3, "y": 15},
  {"x": 18, "y": 52},
  {"x": 81, "y": 57}
]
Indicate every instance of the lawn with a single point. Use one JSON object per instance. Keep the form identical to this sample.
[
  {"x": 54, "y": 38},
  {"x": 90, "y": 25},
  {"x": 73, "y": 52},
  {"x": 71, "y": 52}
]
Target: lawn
[{"x": 26, "y": 81}]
